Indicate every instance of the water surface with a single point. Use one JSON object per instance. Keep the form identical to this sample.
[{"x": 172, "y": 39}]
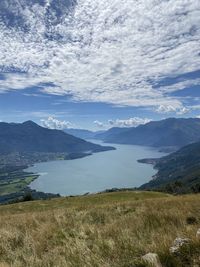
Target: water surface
[{"x": 111, "y": 169}]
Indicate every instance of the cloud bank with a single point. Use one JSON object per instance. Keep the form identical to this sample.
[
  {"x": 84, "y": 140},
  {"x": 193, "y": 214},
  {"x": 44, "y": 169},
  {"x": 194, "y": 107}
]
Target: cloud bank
[
  {"x": 115, "y": 51},
  {"x": 130, "y": 122},
  {"x": 53, "y": 123}
]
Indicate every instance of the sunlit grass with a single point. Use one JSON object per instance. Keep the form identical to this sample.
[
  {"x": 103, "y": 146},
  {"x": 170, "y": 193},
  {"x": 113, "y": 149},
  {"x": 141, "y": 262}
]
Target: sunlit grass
[{"x": 113, "y": 229}]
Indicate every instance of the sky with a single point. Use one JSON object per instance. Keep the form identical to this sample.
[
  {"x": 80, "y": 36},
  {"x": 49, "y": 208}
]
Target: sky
[{"x": 98, "y": 64}]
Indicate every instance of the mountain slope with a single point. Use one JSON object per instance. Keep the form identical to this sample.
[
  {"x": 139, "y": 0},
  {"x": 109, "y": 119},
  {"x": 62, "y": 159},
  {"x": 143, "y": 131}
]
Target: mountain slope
[
  {"x": 30, "y": 137},
  {"x": 170, "y": 132},
  {"x": 178, "y": 172},
  {"x": 111, "y": 133},
  {"x": 81, "y": 133}
]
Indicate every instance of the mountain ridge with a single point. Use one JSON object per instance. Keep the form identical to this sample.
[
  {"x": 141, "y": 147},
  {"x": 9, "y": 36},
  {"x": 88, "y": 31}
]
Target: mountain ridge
[
  {"x": 171, "y": 132},
  {"x": 31, "y": 137}
]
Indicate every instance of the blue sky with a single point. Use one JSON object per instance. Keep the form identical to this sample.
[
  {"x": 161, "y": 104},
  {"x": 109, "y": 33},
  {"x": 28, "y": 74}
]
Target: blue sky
[{"x": 99, "y": 64}]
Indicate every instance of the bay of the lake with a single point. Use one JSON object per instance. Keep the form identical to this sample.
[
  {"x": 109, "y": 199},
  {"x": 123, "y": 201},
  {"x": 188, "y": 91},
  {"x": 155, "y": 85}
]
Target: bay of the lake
[{"x": 104, "y": 170}]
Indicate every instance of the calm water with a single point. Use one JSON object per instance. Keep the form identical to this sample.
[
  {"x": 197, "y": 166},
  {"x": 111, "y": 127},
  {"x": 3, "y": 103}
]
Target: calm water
[{"x": 118, "y": 168}]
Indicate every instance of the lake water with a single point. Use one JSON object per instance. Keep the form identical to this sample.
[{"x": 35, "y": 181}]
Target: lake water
[{"x": 111, "y": 169}]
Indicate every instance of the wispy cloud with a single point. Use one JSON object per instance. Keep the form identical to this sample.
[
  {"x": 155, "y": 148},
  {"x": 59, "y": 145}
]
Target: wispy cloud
[{"x": 105, "y": 51}]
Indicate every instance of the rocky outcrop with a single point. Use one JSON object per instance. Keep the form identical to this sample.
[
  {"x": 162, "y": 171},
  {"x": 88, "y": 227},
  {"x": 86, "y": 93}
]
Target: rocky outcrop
[
  {"x": 178, "y": 243},
  {"x": 152, "y": 259}
]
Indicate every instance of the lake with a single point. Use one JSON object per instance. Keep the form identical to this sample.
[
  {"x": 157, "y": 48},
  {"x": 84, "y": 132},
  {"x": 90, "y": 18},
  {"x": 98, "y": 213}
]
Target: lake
[{"x": 105, "y": 170}]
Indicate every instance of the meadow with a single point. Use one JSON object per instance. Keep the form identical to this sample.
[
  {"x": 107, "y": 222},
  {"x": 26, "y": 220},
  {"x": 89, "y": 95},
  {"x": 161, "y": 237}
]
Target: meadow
[{"x": 101, "y": 230}]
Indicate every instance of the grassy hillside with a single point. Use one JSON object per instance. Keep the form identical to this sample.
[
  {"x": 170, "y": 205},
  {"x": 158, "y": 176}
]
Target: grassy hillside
[{"x": 112, "y": 229}]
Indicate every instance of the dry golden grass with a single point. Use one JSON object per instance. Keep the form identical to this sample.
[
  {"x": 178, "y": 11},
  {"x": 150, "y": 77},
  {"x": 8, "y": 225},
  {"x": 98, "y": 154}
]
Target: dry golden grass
[{"x": 104, "y": 230}]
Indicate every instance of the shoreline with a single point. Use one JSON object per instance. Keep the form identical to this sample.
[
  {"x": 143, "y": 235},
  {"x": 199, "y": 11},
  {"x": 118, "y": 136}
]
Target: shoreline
[
  {"x": 150, "y": 161},
  {"x": 14, "y": 189},
  {"x": 45, "y": 195}
]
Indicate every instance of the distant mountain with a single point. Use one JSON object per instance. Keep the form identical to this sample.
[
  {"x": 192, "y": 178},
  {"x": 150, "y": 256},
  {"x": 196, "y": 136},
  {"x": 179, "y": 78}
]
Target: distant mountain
[
  {"x": 30, "y": 137},
  {"x": 170, "y": 132},
  {"x": 178, "y": 172},
  {"x": 107, "y": 135},
  {"x": 84, "y": 134}
]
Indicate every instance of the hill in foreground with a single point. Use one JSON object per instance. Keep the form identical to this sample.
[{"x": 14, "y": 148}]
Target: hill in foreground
[{"x": 112, "y": 229}]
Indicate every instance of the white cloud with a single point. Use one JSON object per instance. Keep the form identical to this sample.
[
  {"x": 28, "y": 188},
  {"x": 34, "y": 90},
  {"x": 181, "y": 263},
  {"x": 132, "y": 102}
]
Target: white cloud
[
  {"x": 180, "y": 85},
  {"x": 195, "y": 107},
  {"x": 130, "y": 122},
  {"x": 99, "y": 124},
  {"x": 171, "y": 109},
  {"x": 108, "y": 51},
  {"x": 53, "y": 123}
]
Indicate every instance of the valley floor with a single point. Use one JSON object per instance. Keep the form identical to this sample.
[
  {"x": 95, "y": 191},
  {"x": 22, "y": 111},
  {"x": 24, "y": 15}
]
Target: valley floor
[{"x": 102, "y": 230}]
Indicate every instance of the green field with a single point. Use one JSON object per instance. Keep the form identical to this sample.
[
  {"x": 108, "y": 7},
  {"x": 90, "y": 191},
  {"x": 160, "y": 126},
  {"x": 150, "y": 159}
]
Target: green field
[
  {"x": 12, "y": 182},
  {"x": 109, "y": 229}
]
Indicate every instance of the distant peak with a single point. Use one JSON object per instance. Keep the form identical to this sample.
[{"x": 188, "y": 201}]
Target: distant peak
[{"x": 31, "y": 123}]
